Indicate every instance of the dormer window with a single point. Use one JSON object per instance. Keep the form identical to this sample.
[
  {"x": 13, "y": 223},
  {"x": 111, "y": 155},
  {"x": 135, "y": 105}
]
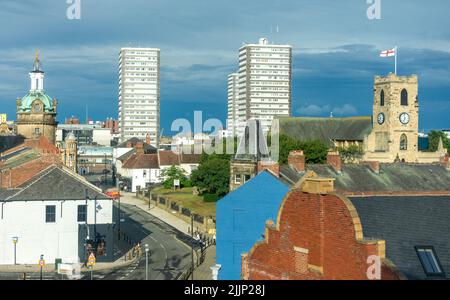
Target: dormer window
[{"x": 430, "y": 261}]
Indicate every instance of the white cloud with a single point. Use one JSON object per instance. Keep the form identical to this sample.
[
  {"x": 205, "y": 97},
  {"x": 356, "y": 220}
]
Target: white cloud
[{"x": 326, "y": 110}]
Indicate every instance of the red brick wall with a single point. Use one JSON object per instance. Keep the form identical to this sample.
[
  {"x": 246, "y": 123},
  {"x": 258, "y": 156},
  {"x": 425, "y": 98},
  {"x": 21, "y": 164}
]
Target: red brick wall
[
  {"x": 272, "y": 167},
  {"x": 322, "y": 224}
]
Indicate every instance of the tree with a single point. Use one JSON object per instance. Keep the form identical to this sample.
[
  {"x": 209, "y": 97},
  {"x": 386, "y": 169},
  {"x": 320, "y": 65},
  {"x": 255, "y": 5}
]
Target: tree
[
  {"x": 173, "y": 173},
  {"x": 434, "y": 138},
  {"x": 212, "y": 176},
  {"x": 315, "y": 151},
  {"x": 351, "y": 154}
]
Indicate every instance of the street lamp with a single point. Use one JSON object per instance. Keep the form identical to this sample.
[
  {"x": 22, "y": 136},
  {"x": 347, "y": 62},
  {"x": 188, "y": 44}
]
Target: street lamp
[
  {"x": 15, "y": 240},
  {"x": 146, "y": 261}
]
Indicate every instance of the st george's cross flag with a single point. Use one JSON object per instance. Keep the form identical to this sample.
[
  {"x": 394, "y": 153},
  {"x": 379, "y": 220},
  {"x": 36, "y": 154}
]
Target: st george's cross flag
[{"x": 388, "y": 53}]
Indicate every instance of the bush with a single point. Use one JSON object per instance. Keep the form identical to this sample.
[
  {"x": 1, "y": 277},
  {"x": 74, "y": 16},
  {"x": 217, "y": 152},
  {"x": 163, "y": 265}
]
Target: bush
[{"x": 209, "y": 198}]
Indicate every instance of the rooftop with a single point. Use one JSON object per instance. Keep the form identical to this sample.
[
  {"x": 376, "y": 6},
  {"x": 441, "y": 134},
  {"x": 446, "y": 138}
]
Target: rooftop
[{"x": 326, "y": 129}]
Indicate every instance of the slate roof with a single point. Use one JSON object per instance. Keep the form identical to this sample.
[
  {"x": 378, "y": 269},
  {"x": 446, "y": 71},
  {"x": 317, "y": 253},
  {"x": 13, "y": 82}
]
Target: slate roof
[
  {"x": 54, "y": 183},
  {"x": 326, "y": 129},
  {"x": 406, "y": 222},
  {"x": 142, "y": 161},
  {"x": 392, "y": 178}
]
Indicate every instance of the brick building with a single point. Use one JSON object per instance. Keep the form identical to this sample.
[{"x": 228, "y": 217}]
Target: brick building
[{"x": 337, "y": 217}]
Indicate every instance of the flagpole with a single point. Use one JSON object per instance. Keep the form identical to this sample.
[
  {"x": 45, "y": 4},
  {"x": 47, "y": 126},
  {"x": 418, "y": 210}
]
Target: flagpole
[{"x": 396, "y": 51}]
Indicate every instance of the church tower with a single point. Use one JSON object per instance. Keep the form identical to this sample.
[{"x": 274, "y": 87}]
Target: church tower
[
  {"x": 36, "y": 112},
  {"x": 395, "y": 133}
]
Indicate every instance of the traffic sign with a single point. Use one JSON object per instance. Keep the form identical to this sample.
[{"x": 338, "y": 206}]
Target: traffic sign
[
  {"x": 42, "y": 263},
  {"x": 91, "y": 260}
]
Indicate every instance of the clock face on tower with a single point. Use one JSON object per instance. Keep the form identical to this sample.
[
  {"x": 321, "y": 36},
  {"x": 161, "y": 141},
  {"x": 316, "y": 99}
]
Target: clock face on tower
[
  {"x": 37, "y": 108},
  {"x": 381, "y": 118},
  {"x": 404, "y": 118}
]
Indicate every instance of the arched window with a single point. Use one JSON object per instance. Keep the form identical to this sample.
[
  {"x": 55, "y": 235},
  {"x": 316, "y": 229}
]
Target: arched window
[
  {"x": 382, "y": 98},
  {"x": 403, "y": 142},
  {"x": 404, "y": 100}
]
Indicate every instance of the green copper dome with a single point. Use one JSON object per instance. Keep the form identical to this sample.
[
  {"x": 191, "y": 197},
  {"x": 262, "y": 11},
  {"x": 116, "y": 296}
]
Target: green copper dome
[{"x": 27, "y": 101}]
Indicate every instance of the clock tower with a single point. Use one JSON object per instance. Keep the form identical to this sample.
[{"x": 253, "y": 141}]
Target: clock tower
[
  {"x": 395, "y": 132},
  {"x": 36, "y": 111}
]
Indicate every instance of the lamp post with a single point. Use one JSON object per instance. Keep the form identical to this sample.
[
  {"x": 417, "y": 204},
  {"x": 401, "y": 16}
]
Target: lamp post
[
  {"x": 15, "y": 240},
  {"x": 118, "y": 222},
  {"x": 146, "y": 261},
  {"x": 41, "y": 264}
]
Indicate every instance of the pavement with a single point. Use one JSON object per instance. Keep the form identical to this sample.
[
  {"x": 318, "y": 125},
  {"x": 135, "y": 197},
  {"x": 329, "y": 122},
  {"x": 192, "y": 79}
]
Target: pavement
[
  {"x": 203, "y": 272},
  {"x": 181, "y": 225}
]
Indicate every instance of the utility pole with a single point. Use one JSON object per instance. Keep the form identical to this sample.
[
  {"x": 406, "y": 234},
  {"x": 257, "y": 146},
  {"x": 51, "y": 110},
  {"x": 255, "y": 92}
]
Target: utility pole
[{"x": 146, "y": 261}]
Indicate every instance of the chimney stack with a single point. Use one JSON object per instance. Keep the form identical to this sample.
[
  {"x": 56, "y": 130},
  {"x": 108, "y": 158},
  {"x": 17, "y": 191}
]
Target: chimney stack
[
  {"x": 296, "y": 160},
  {"x": 445, "y": 161},
  {"x": 334, "y": 160},
  {"x": 373, "y": 165}
]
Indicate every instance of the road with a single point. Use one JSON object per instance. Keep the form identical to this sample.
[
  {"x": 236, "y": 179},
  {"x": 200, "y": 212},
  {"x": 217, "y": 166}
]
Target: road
[{"x": 169, "y": 250}]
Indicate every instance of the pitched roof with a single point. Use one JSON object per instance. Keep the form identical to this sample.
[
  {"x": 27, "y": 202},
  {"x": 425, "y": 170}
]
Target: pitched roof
[
  {"x": 326, "y": 129},
  {"x": 148, "y": 149},
  {"x": 190, "y": 158},
  {"x": 168, "y": 158},
  {"x": 54, "y": 183},
  {"x": 407, "y": 222},
  {"x": 400, "y": 178},
  {"x": 142, "y": 161}
]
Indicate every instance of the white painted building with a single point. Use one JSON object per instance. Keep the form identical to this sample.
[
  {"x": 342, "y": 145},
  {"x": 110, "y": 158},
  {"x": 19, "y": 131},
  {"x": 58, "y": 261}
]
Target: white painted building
[
  {"x": 139, "y": 93},
  {"x": 48, "y": 216},
  {"x": 143, "y": 169},
  {"x": 265, "y": 76}
]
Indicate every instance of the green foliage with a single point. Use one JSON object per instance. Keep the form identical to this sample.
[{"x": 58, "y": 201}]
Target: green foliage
[
  {"x": 350, "y": 154},
  {"x": 433, "y": 139},
  {"x": 212, "y": 175},
  {"x": 315, "y": 151},
  {"x": 209, "y": 198},
  {"x": 173, "y": 173}
]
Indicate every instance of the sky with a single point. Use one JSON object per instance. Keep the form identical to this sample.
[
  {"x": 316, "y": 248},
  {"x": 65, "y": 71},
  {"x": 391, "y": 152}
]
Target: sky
[{"x": 335, "y": 52}]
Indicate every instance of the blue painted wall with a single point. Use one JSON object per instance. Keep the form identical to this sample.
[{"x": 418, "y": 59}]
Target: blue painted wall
[{"x": 241, "y": 218}]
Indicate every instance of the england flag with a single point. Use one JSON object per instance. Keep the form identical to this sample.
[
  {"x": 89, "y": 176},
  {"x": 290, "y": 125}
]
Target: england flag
[{"x": 388, "y": 53}]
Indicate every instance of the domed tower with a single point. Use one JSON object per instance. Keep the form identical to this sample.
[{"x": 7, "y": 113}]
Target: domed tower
[{"x": 36, "y": 112}]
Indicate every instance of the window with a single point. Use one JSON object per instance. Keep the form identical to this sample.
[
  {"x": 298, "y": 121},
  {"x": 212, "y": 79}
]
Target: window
[
  {"x": 82, "y": 213},
  {"x": 382, "y": 98},
  {"x": 50, "y": 214},
  {"x": 404, "y": 97},
  {"x": 247, "y": 178},
  {"x": 403, "y": 142},
  {"x": 237, "y": 178},
  {"x": 37, "y": 131},
  {"x": 429, "y": 261}
]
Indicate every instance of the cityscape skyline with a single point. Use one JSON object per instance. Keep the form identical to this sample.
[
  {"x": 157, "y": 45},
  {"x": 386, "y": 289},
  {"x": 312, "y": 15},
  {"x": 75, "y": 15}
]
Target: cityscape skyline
[{"x": 194, "y": 72}]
